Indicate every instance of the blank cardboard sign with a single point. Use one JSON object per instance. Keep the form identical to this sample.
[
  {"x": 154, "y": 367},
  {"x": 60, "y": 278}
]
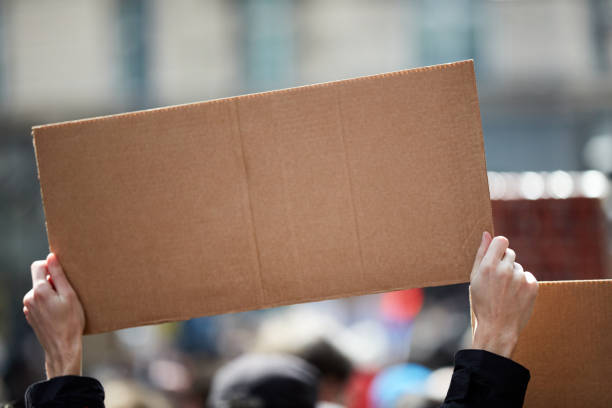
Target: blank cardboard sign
[
  {"x": 567, "y": 345},
  {"x": 324, "y": 191}
]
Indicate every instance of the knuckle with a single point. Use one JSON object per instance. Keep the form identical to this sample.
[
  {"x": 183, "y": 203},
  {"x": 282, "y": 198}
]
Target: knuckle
[
  {"x": 36, "y": 296},
  {"x": 505, "y": 268},
  {"x": 487, "y": 266},
  {"x": 40, "y": 285},
  {"x": 28, "y": 299},
  {"x": 40, "y": 290}
]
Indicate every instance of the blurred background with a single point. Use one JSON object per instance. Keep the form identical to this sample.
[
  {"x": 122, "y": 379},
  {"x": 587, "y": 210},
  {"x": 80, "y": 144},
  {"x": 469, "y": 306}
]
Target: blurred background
[{"x": 544, "y": 71}]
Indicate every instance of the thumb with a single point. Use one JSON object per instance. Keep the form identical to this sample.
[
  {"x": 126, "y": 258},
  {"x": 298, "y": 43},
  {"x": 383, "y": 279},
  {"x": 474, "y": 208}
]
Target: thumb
[
  {"x": 482, "y": 250},
  {"x": 56, "y": 271}
]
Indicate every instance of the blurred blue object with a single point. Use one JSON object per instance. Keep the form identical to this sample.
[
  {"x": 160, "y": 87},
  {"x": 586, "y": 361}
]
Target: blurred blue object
[
  {"x": 199, "y": 335},
  {"x": 396, "y": 381}
]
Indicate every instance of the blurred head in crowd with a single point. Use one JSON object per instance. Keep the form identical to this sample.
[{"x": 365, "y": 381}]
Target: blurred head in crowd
[
  {"x": 318, "y": 372},
  {"x": 270, "y": 381},
  {"x": 334, "y": 369}
]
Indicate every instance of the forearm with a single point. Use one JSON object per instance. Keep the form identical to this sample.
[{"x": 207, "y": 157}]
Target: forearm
[
  {"x": 64, "y": 360},
  {"x": 498, "y": 341}
]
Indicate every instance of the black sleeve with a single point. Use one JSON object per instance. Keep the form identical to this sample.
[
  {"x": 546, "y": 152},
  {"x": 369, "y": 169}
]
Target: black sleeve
[
  {"x": 484, "y": 379},
  {"x": 69, "y": 391}
]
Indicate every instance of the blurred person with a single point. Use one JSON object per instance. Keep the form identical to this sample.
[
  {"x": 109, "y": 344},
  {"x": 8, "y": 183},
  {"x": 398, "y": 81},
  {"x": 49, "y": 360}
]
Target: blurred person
[
  {"x": 334, "y": 369},
  {"x": 265, "y": 380},
  {"x": 503, "y": 297},
  {"x": 315, "y": 375}
]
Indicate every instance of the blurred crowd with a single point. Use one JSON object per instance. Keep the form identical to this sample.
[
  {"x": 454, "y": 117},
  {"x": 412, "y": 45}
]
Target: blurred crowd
[
  {"x": 544, "y": 74},
  {"x": 387, "y": 350}
]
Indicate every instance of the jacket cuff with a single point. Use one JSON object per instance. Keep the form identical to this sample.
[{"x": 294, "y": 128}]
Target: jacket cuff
[
  {"x": 497, "y": 368},
  {"x": 66, "y": 391},
  {"x": 504, "y": 379}
]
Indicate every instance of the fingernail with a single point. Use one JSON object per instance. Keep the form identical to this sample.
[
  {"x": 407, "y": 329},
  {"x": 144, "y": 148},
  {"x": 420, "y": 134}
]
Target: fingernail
[{"x": 484, "y": 236}]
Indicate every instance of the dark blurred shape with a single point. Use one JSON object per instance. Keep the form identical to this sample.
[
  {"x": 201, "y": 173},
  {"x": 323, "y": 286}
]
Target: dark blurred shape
[
  {"x": 335, "y": 369},
  {"x": 556, "y": 239},
  {"x": 328, "y": 360},
  {"x": 258, "y": 381}
]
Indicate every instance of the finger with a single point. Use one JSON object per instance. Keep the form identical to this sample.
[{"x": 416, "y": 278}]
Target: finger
[
  {"x": 38, "y": 270},
  {"x": 28, "y": 298},
  {"x": 42, "y": 290},
  {"x": 57, "y": 275},
  {"x": 530, "y": 278},
  {"x": 496, "y": 251},
  {"x": 482, "y": 250},
  {"x": 517, "y": 267},
  {"x": 509, "y": 256},
  {"x": 533, "y": 285}
]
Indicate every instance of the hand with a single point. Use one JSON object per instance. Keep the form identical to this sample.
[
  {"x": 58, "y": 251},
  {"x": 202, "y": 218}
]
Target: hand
[
  {"x": 503, "y": 296},
  {"x": 55, "y": 313}
]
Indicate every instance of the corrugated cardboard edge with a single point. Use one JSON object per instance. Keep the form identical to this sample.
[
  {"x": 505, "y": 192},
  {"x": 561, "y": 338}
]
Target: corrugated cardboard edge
[
  {"x": 264, "y": 95},
  {"x": 42, "y": 195},
  {"x": 258, "y": 95},
  {"x": 280, "y": 304}
]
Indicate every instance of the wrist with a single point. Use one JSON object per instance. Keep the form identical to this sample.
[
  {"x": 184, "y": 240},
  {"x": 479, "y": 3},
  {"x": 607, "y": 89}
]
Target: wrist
[
  {"x": 64, "y": 361},
  {"x": 501, "y": 342}
]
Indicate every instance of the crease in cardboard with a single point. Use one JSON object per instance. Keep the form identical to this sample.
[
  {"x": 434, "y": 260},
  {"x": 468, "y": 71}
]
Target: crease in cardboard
[
  {"x": 350, "y": 182},
  {"x": 262, "y": 293},
  {"x": 290, "y": 220}
]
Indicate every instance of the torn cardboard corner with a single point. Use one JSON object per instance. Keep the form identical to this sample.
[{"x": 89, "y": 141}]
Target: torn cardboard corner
[
  {"x": 567, "y": 346},
  {"x": 325, "y": 191}
]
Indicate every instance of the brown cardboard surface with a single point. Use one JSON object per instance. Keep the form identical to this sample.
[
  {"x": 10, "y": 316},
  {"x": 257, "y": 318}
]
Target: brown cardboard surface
[
  {"x": 324, "y": 191},
  {"x": 567, "y": 345}
]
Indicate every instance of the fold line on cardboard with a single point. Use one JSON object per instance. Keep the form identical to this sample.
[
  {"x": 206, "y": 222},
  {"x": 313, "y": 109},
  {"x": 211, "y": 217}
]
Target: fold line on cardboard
[
  {"x": 291, "y": 225},
  {"x": 350, "y": 181},
  {"x": 262, "y": 293}
]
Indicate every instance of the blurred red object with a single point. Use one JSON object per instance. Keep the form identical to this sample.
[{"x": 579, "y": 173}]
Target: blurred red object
[
  {"x": 357, "y": 394},
  {"x": 402, "y": 306},
  {"x": 556, "y": 239}
]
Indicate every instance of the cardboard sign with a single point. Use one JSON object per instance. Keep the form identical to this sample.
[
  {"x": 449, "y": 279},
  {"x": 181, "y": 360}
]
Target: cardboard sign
[
  {"x": 325, "y": 191},
  {"x": 567, "y": 345}
]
